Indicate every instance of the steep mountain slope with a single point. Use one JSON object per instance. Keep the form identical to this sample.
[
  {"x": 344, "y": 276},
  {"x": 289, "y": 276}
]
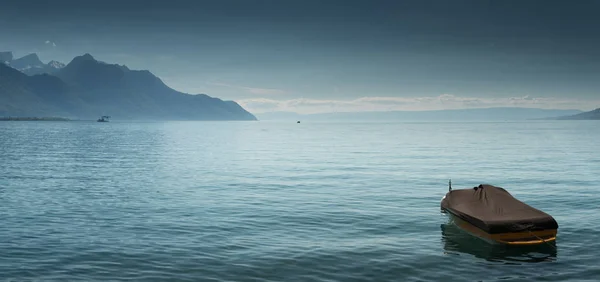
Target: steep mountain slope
[
  {"x": 22, "y": 95},
  {"x": 118, "y": 91}
]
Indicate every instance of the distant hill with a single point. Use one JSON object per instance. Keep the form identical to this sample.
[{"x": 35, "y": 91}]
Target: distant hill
[
  {"x": 480, "y": 114},
  {"x": 87, "y": 89},
  {"x": 591, "y": 115}
]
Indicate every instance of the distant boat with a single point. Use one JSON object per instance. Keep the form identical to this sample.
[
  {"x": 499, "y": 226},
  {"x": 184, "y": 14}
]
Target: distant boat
[
  {"x": 298, "y": 122},
  {"x": 103, "y": 119}
]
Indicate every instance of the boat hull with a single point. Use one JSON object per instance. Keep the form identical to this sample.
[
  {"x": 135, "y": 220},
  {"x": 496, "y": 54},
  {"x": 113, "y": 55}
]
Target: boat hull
[{"x": 512, "y": 238}]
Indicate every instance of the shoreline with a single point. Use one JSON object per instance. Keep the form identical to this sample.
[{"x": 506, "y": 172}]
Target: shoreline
[{"x": 34, "y": 119}]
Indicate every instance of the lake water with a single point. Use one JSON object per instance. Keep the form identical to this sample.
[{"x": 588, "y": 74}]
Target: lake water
[{"x": 280, "y": 201}]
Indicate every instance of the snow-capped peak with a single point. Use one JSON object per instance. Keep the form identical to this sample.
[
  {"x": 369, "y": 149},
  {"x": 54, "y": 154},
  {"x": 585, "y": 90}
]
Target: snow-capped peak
[{"x": 56, "y": 65}]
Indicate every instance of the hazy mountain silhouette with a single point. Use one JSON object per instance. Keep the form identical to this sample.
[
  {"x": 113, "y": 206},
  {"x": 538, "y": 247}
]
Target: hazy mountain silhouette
[
  {"x": 591, "y": 115},
  {"x": 87, "y": 88},
  {"x": 480, "y": 114},
  {"x": 6, "y": 57},
  {"x": 30, "y": 64},
  {"x": 28, "y": 61}
]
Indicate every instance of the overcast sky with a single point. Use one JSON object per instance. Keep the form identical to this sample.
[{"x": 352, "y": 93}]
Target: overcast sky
[{"x": 314, "y": 56}]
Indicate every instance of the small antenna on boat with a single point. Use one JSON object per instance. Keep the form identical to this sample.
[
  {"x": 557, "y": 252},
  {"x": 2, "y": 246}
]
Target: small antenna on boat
[{"x": 449, "y": 185}]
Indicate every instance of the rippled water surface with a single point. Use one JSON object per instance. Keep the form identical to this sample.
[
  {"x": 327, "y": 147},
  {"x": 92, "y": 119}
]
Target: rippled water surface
[{"x": 276, "y": 201}]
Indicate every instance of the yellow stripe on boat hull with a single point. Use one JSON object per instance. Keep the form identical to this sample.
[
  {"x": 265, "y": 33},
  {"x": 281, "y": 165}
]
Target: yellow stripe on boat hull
[{"x": 515, "y": 238}]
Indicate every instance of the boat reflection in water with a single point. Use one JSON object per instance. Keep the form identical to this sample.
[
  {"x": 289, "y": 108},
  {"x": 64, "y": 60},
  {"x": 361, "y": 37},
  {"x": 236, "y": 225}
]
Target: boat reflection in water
[{"x": 456, "y": 241}]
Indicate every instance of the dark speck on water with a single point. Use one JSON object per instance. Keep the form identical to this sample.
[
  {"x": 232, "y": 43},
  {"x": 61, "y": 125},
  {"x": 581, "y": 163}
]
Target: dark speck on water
[{"x": 263, "y": 201}]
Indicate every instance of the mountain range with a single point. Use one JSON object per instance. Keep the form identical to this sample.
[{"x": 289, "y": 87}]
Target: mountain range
[
  {"x": 30, "y": 64},
  {"x": 87, "y": 88}
]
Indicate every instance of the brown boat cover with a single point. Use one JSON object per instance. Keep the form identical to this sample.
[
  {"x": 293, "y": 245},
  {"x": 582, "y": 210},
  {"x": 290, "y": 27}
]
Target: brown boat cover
[{"x": 494, "y": 210}]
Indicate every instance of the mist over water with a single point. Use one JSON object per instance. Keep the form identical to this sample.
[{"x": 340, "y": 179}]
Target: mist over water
[{"x": 279, "y": 201}]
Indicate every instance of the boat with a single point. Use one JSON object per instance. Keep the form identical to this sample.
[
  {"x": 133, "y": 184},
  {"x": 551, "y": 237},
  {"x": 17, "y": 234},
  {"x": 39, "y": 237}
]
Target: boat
[
  {"x": 103, "y": 119},
  {"x": 494, "y": 215}
]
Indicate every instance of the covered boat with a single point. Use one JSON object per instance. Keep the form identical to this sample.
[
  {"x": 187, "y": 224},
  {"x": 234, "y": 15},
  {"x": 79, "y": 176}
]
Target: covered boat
[{"x": 493, "y": 214}]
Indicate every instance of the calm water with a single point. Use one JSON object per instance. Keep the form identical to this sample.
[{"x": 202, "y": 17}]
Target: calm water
[{"x": 268, "y": 201}]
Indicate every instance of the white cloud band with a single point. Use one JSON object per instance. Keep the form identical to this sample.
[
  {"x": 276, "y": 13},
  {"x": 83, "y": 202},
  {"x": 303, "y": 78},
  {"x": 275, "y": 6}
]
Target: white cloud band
[{"x": 445, "y": 101}]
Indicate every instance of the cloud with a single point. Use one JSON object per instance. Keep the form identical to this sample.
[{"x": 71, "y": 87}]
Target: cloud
[
  {"x": 265, "y": 91},
  {"x": 441, "y": 102},
  {"x": 253, "y": 90},
  {"x": 48, "y": 42}
]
